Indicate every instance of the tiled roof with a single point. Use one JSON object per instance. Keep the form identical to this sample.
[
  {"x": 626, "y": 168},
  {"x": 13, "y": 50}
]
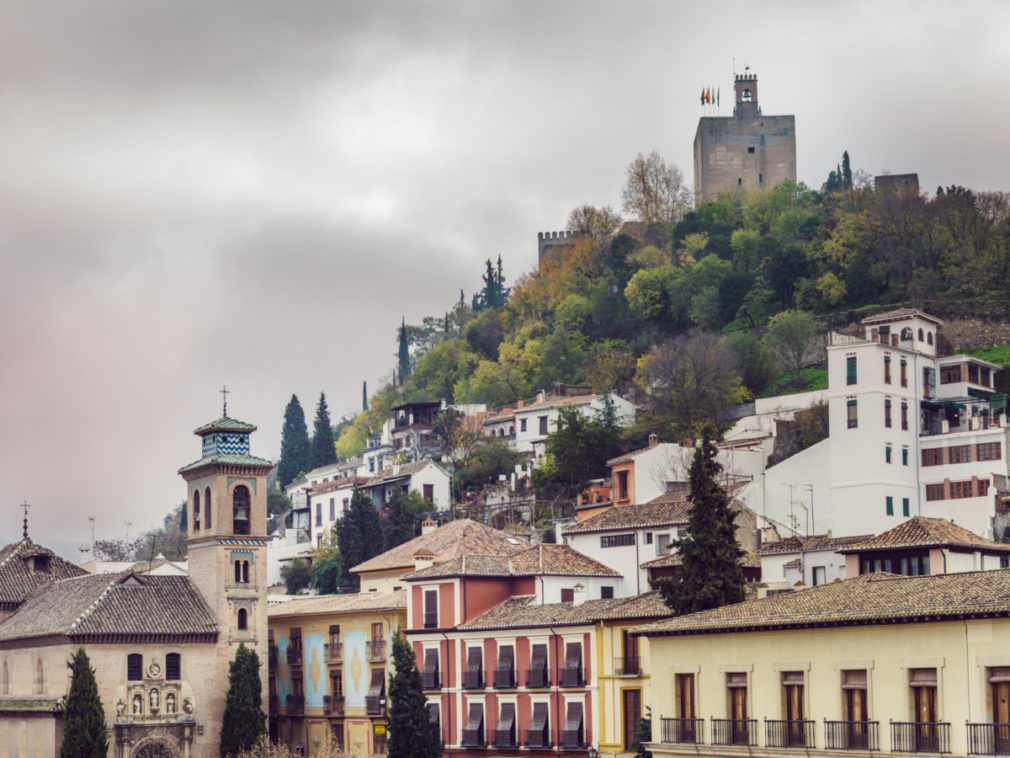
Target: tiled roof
[
  {"x": 899, "y": 313},
  {"x": 17, "y": 581},
  {"x": 113, "y": 605},
  {"x": 538, "y": 560},
  {"x": 632, "y": 455},
  {"x": 866, "y": 599},
  {"x": 554, "y": 402},
  {"x": 814, "y": 542},
  {"x": 239, "y": 460},
  {"x": 339, "y": 484},
  {"x": 225, "y": 424},
  {"x": 920, "y": 531},
  {"x": 505, "y": 414},
  {"x": 747, "y": 560},
  {"x": 447, "y": 542},
  {"x": 400, "y": 471},
  {"x": 521, "y": 611},
  {"x": 656, "y": 512},
  {"x": 327, "y": 604}
]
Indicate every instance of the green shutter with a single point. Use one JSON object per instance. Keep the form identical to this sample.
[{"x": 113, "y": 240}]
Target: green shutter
[
  {"x": 904, "y": 506},
  {"x": 890, "y": 505},
  {"x": 850, "y": 370}
]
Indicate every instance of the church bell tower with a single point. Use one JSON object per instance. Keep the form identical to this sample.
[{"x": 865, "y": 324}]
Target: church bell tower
[{"x": 227, "y": 538}]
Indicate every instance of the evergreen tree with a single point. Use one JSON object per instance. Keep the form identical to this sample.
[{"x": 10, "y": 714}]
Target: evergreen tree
[
  {"x": 323, "y": 451},
  {"x": 710, "y": 575},
  {"x": 243, "y": 720},
  {"x": 503, "y": 291},
  {"x": 84, "y": 732},
  {"x": 364, "y": 396},
  {"x": 403, "y": 354},
  {"x": 359, "y": 534},
  {"x": 411, "y": 734},
  {"x": 399, "y": 520},
  {"x": 295, "y": 447},
  {"x": 846, "y": 171}
]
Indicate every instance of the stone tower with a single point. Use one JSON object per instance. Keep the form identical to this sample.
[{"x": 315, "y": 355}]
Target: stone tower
[
  {"x": 227, "y": 542},
  {"x": 747, "y": 150}
]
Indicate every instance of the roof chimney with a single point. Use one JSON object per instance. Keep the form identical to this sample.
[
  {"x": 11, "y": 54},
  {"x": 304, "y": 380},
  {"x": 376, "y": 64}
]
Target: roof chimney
[
  {"x": 541, "y": 396},
  {"x": 423, "y": 558},
  {"x": 520, "y": 403},
  {"x": 653, "y": 439},
  {"x": 688, "y": 442},
  {"x": 428, "y": 526}
]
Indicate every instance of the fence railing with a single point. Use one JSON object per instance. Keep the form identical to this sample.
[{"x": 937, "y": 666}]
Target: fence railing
[
  {"x": 988, "y": 739},
  {"x": 375, "y": 705},
  {"x": 683, "y": 731},
  {"x": 627, "y": 666},
  {"x": 431, "y": 619},
  {"x": 334, "y": 651},
  {"x": 375, "y": 650},
  {"x": 504, "y": 738},
  {"x": 920, "y": 737},
  {"x": 734, "y": 732},
  {"x": 473, "y": 738},
  {"x": 505, "y": 678},
  {"x": 538, "y": 678},
  {"x": 851, "y": 735},
  {"x": 536, "y": 738},
  {"x": 789, "y": 733}
]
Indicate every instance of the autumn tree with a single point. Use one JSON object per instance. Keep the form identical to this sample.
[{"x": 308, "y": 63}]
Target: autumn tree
[
  {"x": 794, "y": 337},
  {"x": 601, "y": 224},
  {"x": 654, "y": 191}
]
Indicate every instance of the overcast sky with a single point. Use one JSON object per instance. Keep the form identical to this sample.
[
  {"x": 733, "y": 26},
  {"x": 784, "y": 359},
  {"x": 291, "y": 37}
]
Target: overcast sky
[{"x": 253, "y": 193}]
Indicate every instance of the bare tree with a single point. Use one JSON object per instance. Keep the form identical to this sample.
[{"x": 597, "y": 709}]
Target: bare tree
[
  {"x": 599, "y": 223},
  {"x": 655, "y": 190}
]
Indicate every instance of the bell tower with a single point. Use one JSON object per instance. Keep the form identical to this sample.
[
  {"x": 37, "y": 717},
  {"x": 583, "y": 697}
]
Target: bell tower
[{"x": 227, "y": 539}]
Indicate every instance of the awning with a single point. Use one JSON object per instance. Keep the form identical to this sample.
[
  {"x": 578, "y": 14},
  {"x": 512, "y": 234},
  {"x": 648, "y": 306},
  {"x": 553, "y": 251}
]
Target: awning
[
  {"x": 475, "y": 717},
  {"x": 377, "y": 687},
  {"x": 854, "y": 679},
  {"x": 538, "y": 736},
  {"x": 538, "y": 659},
  {"x": 432, "y": 713},
  {"x": 505, "y": 731},
  {"x": 922, "y": 677},
  {"x": 572, "y": 734},
  {"x": 505, "y": 672},
  {"x": 473, "y": 660},
  {"x": 429, "y": 675}
]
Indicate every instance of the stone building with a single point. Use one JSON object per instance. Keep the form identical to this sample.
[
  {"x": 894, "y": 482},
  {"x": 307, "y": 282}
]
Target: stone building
[
  {"x": 745, "y": 151},
  {"x": 160, "y": 645}
]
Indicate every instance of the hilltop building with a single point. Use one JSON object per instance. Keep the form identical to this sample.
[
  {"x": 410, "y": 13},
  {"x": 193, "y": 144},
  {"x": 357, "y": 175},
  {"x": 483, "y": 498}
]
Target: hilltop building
[{"x": 745, "y": 151}]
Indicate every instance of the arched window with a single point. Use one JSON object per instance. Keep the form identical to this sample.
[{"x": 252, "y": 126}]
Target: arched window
[
  {"x": 920, "y": 334},
  {"x": 39, "y": 683},
  {"x": 245, "y": 571},
  {"x": 240, "y": 509},
  {"x": 929, "y": 338},
  {"x": 238, "y": 571},
  {"x": 206, "y": 504},
  {"x": 5, "y": 680},
  {"x": 243, "y": 619},
  {"x": 173, "y": 667},
  {"x": 134, "y": 667},
  {"x": 196, "y": 510}
]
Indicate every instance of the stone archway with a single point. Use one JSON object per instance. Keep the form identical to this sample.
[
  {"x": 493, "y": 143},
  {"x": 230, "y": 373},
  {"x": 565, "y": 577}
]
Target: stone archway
[{"x": 155, "y": 747}]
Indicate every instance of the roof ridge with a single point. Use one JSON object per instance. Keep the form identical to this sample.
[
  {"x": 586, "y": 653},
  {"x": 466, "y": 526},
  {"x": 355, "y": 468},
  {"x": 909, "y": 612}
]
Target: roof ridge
[
  {"x": 15, "y": 551},
  {"x": 113, "y": 580}
]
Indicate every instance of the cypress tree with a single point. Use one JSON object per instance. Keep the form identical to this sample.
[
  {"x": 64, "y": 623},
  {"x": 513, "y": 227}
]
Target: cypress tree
[
  {"x": 710, "y": 574},
  {"x": 364, "y": 396},
  {"x": 323, "y": 451},
  {"x": 84, "y": 732},
  {"x": 359, "y": 534},
  {"x": 846, "y": 171},
  {"x": 411, "y": 734},
  {"x": 403, "y": 354},
  {"x": 295, "y": 448},
  {"x": 399, "y": 520},
  {"x": 243, "y": 720}
]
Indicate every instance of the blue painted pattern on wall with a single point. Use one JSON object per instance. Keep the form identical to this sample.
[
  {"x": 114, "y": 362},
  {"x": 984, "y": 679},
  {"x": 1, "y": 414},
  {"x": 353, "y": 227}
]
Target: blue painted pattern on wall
[
  {"x": 355, "y": 669},
  {"x": 225, "y": 444},
  {"x": 283, "y": 672},
  {"x": 315, "y": 669}
]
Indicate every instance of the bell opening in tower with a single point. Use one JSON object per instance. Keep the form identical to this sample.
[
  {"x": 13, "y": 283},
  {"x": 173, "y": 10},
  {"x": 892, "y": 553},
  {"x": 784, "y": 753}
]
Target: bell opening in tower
[{"x": 240, "y": 510}]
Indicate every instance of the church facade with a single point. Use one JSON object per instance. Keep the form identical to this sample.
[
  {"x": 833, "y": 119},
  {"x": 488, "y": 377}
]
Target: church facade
[{"x": 160, "y": 645}]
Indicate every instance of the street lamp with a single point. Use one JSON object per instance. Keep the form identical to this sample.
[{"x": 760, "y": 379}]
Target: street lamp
[{"x": 593, "y": 752}]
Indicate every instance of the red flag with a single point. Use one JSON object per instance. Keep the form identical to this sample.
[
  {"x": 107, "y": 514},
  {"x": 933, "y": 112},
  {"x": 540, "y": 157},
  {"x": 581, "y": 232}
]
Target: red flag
[{"x": 702, "y": 95}]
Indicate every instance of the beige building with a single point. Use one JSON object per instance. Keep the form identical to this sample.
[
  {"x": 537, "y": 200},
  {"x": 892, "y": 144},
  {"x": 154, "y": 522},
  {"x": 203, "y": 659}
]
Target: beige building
[
  {"x": 745, "y": 151},
  {"x": 874, "y": 663}
]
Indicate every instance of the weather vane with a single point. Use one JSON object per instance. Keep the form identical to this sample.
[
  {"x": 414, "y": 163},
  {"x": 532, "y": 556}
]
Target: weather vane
[
  {"x": 224, "y": 395},
  {"x": 26, "y": 506}
]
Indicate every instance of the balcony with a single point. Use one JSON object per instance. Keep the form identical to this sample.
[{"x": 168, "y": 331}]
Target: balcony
[
  {"x": 430, "y": 680},
  {"x": 333, "y": 706},
  {"x": 988, "y": 739},
  {"x": 537, "y": 739},
  {"x": 472, "y": 680},
  {"x": 920, "y": 737},
  {"x": 572, "y": 677},
  {"x": 296, "y": 705},
  {"x": 851, "y": 735},
  {"x": 504, "y": 679},
  {"x": 628, "y": 666},
  {"x": 537, "y": 679},
  {"x": 472, "y": 738},
  {"x": 375, "y": 705},
  {"x": 375, "y": 650},
  {"x": 789, "y": 733},
  {"x": 334, "y": 652},
  {"x": 683, "y": 731},
  {"x": 431, "y": 619},
  {"x": 505, "y": 738},
  {"x": 734, "y": 732},
  {"x": 293, "y": 656}
]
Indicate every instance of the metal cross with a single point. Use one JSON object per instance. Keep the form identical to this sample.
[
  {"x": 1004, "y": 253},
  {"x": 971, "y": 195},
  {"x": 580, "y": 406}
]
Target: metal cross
[
  {"x": 26, "y": 506},
  {"x": 224, "y": 394}
]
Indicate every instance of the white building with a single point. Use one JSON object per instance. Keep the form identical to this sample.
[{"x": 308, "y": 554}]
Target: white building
[
  {"x": 534, "y": 421},
  {"x": 427, "y": 478},
  {"x": 327, "y": 503}
]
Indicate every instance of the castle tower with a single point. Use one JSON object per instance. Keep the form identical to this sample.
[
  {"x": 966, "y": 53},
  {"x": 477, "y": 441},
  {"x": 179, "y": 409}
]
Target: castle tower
[
  {"x": 227, "y": 541},
  {"x": 745, "y": 151}
]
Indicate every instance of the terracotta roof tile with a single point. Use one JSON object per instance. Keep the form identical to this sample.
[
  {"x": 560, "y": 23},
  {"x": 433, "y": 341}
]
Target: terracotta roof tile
[
  {"x": 866, "y": 599},
  {"x": 16, "y": 579},
  {"x": 555, "y": 402},
  {"x": 339, "y": 484},
  {"x": 521, "y": 611},
  {"x": 225, "y": 424},
  {"x": 400, "y": 471},
  {"x": 232, "y": 458},
  {"x": 814, "y": 542},
  {"x": 446, "y": 542},
  {"x": 327, "y": 604},
  {"x": 538, "y": 560},
  {"x": 747, "y": 560},
  {"x": 899, "y": 313},
  {"x": 659, "y": 511},
  {"x": 920, "y": 531}
]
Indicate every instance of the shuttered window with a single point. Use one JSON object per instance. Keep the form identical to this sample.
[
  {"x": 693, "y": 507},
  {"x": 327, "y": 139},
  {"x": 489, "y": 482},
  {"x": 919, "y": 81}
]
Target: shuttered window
[
  {"x": 505, "y": 671},
  {"x": 134, "y": 667},
  {"x": 572, "y": 735},
  {"x": 632, "y": 713},
  {"x": 572, "y": 674},
  {"x": 172, "y": 666},
  {"x": 430, "y": 609},
  {"x": 850, "y": 370},
  {"x": 539, "y": 736},
  {"x": 429, "y": 676},
  {"x": 472, "y": 678},
  {"x": 538, "y": 675},
  {"x": 473, "y": 732},
  {"x": 505, "y": 731}
]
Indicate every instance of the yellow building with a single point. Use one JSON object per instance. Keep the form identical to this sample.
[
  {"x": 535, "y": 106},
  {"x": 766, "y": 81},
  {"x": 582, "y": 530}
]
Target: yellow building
[
  {"x": 875, "y": 663},
  {"x": 329, "y": 668}
]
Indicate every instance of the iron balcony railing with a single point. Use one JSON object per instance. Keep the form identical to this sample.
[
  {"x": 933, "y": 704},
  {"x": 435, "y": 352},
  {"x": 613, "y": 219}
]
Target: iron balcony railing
[
  {"x": 375, "y": 705},
  {"x": 294, "y": 656},
  {"x": 295, "y": 703},
  {"x": 473, "y": 738},
  {"x": 628, "y": 666},
  {"x": 538, "y": 678},
  {"x": 789, "y": 733},
  {"x": 504, "y": 678},
  {"x": 431, "y": 619},
  {"x": 430, "y": 680},
  {"x": 334, "y": 651},
  {"x": 683, "y": 731},
  {"x": 505, "y": 738},
  {"x": 537, "y": 738},
  {"x": 472, "y": 680},
  {"x": 572, "y": 677},
  {"x": 851, "y": 735},
  {"x": 375, "y": 650},
  {"x": 734, "y": 732},
  {"x": 920, "y": 737},
  {"x": 988, "y": 739}
]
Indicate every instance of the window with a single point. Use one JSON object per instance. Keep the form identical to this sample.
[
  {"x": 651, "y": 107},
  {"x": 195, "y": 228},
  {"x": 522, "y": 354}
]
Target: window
[
  {"x": 539, "y": 735},
  {"x": 929, "y": 338},
  {"x": 622, "y": 485},
  {"x": 850, "y": 370},
  {"x": 428, "y": 492},
  {"x": 750, "y": 149},
  {"x": 928, "y": 381},
  {"x": 887, "y": 369},
  {"x": 572, "y": 736},
  {"x": 134, "y": 667},
  {"x": 959, "y": 454},
  {"x": 337, "y": 732},
  {"x": 196, "y": 511},
  {"x": 950, "y": 374},
  {"x": 375, "y": 700},
  {"x": 522, "y": 425},
  {"x": 887, "y": 454},
  {"x": 333, "y": 508},
  {"x": 923, "y": 685},
  {"x": 434, "y": 717},
  {"x": 431, "y": 609},
  {"x": 505, "y": 730},
  {"x": 648, "y": 538},
  {"x": 567, "y": 595},
  {"x": 904, "y": 507},
  {"x": 988, "y": 451},
  {"x": 851, "y": 411},
  {"x": 571, "y": 675},
  {"x": 240, "y": 509},
  {"x": 983, "y": 376},
  {"x": 472, "y": 675},
  {"x": 617, "y": 540},
  {"x": 739, "y": 181},
  {"x": 5, "y": 680},
  {"x": 632, "y": 712},
  {"x": 607, "y": 591},
  {"x": 505, "y": 671},
  {"x": 173, "y": 667},
  {"x": 238, "y": 571},
  {"x": 543, "y": 424},
  {"x": 904, "y": 373},
  {"x": 887, "y": 412},
  {"x": 736, "y": 691},
  {"x": 429, "y": 675},
  {"x": 820, "y": 575},
  {"x": 243, "y": 619},
  {"x": 904, "y": 415},
  {"x": 684, "y": 693},
  {"x": 973, "y": 373},
  {"x": 889, "y": 505},
  {"x": 960, "y": 490},
  {"x": 206, "y": 505},
  {"x": 40, "y": 682},
  {"x": 934, "y": 492},
  {"x": 904, "y": 456},
  {"x": 920, "y": 334},
  {"x": 371, "y": 465},
  {"x": 793, "y": 710},
  {"x": 932, "y": 456},
  {"x": 983, "y": 487},
  {"x": 855, "y": 734},
  {"x": 538, "y": 675},
  {"x": 473, "y": 732}
]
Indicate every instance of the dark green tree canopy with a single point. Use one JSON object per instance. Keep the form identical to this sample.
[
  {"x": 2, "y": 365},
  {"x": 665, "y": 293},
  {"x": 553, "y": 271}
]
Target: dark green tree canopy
[
  {"x": 84, "y": 732},
  {"x": 297, "y": 575},
  {"x": 244, "y": 720},
  {"x": 580, "y": 446},
  {"x": 323, "y": 451},
  {"x": 710, "y": 575},
  {"x": 402, "y": 354},
  {"x": 399, "y": 520},
  {"x": 411, "y": 734},
  {"x": 359, "y": 534},
  {"x": 295, "y": 449}
]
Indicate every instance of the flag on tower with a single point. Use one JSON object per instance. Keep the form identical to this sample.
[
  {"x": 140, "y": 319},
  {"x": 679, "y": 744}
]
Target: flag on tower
[
  {"x": 702, "y": 95},
  {"x": 718, "y": 94}
]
